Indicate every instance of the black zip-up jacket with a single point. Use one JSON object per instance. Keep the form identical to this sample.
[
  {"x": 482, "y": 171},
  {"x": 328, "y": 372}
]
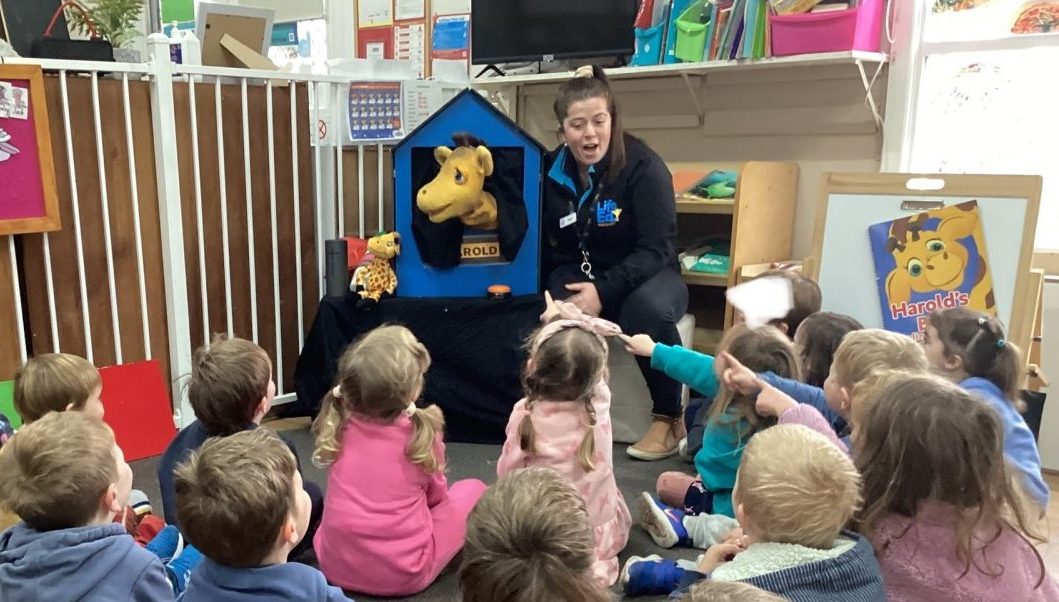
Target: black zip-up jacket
[{"x": 631, "y": 229}]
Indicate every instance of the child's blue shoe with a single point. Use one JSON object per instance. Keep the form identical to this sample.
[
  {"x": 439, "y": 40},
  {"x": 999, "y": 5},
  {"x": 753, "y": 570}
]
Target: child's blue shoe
[
  {"x": 167, "y": 545},
  {"x": 663, "y": 523},
  {"x": 179, "y": 569},
  {"x": 650, "y": 575}
]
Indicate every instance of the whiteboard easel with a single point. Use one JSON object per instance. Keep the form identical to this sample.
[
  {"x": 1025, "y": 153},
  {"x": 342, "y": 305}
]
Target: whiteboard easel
[{"x": 842, "y": 257}]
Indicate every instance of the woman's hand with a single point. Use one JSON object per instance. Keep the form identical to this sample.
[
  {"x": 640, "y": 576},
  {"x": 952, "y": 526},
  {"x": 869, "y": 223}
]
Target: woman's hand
[
  {"x": 586, "y": 297},
  {"x": 717, "y": 555},
  {"x": 641, "y": 344}
]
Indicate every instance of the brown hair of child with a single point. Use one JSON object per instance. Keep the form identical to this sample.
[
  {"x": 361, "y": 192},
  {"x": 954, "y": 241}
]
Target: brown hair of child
[
  {"x": 805, "y": 299},
  {"x": 378, "y": 377},
  {"x": 233, "y": 495},
  {"x": 926, "y": 439},
  {"x": 229, "y": 377},
  {"x": 728, "y": 591},
  {"x": 982, "y": 346},
  {"x": 864, "y": 352},
  {"x": 529, "y": 540},
  {"x": 763, "y": 349},
  {"x": 566, "y": 366},
  {"x": 53, "y": 382},
  {"x": 54, "y": 471},
  {"x": 817, "y": 338}
]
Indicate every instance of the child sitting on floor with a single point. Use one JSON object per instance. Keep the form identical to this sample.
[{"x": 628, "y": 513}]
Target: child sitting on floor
[
  {"x": 241, "y": 502},
  {"x": 529, "y": 540},
  {"x": 795, "y": 493},
  {"x": 67, "y": 479},
  {"x": 563, "y": 423},
  {"x": 708, "y": 513},
  {"x": 861, "y": 354},
  {"x": 943, "y": 511},
  {"x": 391, "y": 522},
  {"x": 63, "y": 382},
  {"x": 231, "y": 390},
  {"x": 817, "y": 339},
  {"x": 970, "y": 348}
]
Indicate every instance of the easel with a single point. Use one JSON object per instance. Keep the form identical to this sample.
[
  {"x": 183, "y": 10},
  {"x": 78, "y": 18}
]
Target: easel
[{"x": 841, "y": 256}]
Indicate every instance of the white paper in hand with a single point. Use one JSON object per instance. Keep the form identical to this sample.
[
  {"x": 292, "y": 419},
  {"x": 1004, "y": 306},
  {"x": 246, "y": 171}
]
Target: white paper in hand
[{"x": 762, "y": 300}]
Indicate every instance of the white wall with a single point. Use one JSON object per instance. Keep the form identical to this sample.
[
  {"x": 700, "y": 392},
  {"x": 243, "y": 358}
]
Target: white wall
[
  {"x": 1049, "y": 437},
  {"x": 813, "y": 116}
]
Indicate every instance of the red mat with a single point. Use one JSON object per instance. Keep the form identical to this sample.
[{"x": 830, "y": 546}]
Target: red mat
[{"x": 138, "y": 408}]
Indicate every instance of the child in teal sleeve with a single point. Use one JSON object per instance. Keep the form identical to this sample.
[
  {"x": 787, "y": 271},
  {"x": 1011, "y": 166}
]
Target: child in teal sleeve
[{"x": 707, "y": 513}]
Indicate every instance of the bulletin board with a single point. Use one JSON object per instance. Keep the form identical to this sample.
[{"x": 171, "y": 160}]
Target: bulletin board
[
  {"x": 28, "y": 197},
  {"x": 843, "y": 261}
]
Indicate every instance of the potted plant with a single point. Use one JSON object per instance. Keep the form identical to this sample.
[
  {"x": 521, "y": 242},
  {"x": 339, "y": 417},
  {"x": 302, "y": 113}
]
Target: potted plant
[{"x": 115, "y": 20}]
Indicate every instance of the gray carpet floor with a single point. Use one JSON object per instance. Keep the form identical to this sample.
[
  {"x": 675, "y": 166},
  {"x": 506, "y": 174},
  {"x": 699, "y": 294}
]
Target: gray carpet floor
[{"x": 478, "y": 461}]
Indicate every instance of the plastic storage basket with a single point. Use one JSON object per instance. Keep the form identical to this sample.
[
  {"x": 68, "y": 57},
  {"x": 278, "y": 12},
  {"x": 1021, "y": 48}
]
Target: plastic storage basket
[
  {"x": 854, "y": 29},
  {"x": 691, "y": 34}
]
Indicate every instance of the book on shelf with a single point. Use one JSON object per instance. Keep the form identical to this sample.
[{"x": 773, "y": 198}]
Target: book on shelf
[{"x": 830, "y": 8}]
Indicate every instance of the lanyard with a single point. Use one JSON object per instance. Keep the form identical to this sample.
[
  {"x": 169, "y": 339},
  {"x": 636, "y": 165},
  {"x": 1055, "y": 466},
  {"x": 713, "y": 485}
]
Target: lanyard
[{"x": 584, "y": 231}]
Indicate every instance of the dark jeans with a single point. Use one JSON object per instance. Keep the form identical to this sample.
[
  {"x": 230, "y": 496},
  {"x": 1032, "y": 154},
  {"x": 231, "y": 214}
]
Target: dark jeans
[{"x": 654, "y": 308}]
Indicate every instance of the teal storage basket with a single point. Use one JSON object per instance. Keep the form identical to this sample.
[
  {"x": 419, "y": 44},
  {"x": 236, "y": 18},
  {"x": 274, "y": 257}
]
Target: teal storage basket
[
  {"x": 648, "y": 45},
  {"x": 691, "y": 35}
]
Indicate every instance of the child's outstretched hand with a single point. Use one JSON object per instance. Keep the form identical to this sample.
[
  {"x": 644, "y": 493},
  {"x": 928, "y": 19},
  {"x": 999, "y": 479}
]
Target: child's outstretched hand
[
  {"x": 773, "y": 402},
  {"x": 551, "y": 310},
  {"x": 738, "y": 378},
  {"x": 639, "y": 344},
  {"x": 717, "y": 555}
]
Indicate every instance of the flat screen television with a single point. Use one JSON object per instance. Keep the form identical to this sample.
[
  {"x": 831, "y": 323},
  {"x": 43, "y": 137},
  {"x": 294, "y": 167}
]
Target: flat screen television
[{"x": 505, "y": 31}]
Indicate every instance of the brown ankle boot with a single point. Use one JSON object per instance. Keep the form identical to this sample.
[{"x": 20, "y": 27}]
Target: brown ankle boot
[{"x": 661, "y": 440}]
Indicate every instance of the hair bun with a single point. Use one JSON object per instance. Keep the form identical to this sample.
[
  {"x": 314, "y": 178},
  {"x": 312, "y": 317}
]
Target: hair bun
[{"x": 584, "y": 71}]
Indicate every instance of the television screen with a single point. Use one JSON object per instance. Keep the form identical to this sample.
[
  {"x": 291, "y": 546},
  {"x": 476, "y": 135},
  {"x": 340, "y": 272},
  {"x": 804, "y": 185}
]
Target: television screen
[{"x": 529, "y": 30}]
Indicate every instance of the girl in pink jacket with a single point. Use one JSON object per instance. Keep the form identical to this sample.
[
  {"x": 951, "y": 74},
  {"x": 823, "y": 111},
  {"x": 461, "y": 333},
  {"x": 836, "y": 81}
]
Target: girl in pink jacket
[
  {"x": 391, "y": 523},
  {"x": 942, "y": 507},
  {"x": 563, "y": 423}
]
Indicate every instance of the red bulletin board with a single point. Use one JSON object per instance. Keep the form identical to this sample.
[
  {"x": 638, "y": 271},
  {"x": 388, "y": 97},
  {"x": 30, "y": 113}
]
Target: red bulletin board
[{"x": 28, "y": 198}]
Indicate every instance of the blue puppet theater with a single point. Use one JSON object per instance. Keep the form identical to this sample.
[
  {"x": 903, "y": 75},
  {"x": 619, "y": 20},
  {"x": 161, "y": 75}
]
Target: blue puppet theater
[{"x": 468, "y": 218}]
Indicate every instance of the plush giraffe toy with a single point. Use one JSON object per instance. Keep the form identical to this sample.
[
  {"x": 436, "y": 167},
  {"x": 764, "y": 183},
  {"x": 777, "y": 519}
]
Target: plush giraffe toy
[{"x": 377, "y": 278}]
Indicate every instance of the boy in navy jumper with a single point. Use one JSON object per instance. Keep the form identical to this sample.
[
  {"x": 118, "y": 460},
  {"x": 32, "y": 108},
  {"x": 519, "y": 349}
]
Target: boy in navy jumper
[
  {"x": 66, "y": 478},
  {"x": 231, "y": 390},
  {"x": 240, "y": 500}
]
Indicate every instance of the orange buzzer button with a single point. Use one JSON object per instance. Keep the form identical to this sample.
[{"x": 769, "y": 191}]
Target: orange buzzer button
[{"x": 499, "y": 291}]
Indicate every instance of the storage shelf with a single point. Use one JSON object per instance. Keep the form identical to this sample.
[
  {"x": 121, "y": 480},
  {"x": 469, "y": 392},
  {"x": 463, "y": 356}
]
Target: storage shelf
[
  {"x": 706, "y": 340},
  {"x": 850, "y": 57},
  {"x": 705, "y": 206},
  {"x": 704, "y": 279}
]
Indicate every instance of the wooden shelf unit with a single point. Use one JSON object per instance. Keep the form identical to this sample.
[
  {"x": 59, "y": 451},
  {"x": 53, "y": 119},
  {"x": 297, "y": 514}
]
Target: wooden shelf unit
[{"x": 759, "y": 221}]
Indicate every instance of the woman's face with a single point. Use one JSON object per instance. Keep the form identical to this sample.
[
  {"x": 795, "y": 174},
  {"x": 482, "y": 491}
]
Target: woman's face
[{"x": 586, "y": 130}]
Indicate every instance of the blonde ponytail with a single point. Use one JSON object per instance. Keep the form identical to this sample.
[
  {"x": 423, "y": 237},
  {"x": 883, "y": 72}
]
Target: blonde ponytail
[
  {"x": 587, "y": 450},
  {"x": 328, "y": 428},
  {"x": 426, "y": 424}
]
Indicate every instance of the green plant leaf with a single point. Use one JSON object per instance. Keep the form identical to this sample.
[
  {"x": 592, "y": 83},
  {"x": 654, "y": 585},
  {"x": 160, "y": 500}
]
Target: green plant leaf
[{"x": 115, "y": 20}]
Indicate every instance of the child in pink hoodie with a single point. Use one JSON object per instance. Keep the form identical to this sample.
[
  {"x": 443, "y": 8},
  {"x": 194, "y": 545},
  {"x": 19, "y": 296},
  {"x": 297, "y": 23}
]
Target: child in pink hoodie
[
  {"x": 391, "y": 523},
  {"x": 563, "y": 423},
  {"x": 942, "y": 508}
]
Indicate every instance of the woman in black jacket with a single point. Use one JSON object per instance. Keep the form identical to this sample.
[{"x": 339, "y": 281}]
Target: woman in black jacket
[{"x": 609, "y": 228}]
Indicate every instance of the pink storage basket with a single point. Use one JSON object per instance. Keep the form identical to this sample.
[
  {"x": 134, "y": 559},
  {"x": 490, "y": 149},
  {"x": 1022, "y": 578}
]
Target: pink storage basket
[{"x": 854, "y": 29}]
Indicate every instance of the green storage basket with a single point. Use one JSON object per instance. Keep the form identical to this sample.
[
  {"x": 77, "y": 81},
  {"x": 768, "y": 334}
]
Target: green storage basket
[{"x": 691, "y": 35}]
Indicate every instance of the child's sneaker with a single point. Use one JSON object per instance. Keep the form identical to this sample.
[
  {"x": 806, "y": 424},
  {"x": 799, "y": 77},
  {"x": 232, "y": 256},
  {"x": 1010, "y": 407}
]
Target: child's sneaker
[
  {"x": 650, "y": 575},
  {"x": 179, "y": 569},
  {"x": 167, "y": 545},
  {"x": 664, "y": 524}
]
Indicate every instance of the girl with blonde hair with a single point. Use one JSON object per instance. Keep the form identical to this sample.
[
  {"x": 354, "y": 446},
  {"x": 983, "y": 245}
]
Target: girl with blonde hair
[{"x": 391, "y": 522}]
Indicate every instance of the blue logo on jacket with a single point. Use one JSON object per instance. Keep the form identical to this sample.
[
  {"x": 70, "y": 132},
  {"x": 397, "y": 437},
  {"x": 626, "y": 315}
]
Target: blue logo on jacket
[{"x": 607, "y": 213}]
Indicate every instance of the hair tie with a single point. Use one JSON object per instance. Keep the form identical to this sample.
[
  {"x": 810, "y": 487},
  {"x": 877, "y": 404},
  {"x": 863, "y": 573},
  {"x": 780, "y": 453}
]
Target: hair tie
[
  {"x": 1000, "y": 343},
  {"x": 981, "y": 321},
  {"x": 570, "y": 316},
  {"x": 337, "y": 391},
  {"x": 584, "y": 71},
  {"x": 410, "y": 410}
]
